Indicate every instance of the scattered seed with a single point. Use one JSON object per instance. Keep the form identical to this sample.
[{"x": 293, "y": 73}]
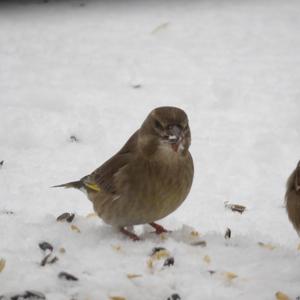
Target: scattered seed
[
  {"x": 67, "y": 276},
  {"x": 62, "y": 250},
  {"x": 207, "y": 259},
  {"x": 6, "y": 212},
  {"x": 49, "y": 259},
  {"x": 212, "y": 272},
  {"x": 160, "y": 254},
  {"x": 266, "y": 246},
  {"x": 65, "y": 217},
  {"x": 163, "y": 236},
  {"x": 117, "y": 298},
  {"x": 70, "y": 218},
  {"x": 2, "y": 264},
  {"x": 174, "y": 297},
  {"x": 281, "y": 296},
  {"x": 157, "y": 249},
  {"x": 150, "y": 263},
  {"x": 26, "y": 295},
  {"x": 1, "y": 163},
  {"x": 227, "y": 234},
  {"x": 46, "y": 246},
  {"x": 235, "y": 207},
  {"x": 132, "y": 276},
  {"x": 194, "y": 233},
  {"x": 73, "y": 139},
  {"x": 75, "y": 228},
  {"x": 160, "y": 27},
  {"x": 117, "y": 247},
  {"x": 230, "y": 275},
  {"x": 199, "y": 243},
  {"x": 136, "y": 86},
  {"x": 169, "y": 262}
]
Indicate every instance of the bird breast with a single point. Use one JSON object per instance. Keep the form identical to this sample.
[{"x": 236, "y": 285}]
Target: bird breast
[{"x": 155, "y": 189}]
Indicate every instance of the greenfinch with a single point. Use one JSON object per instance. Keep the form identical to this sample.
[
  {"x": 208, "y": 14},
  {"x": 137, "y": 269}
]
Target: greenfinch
[
  {"x": 148, "y": 178},
  {"x": 292, "y": 198}
]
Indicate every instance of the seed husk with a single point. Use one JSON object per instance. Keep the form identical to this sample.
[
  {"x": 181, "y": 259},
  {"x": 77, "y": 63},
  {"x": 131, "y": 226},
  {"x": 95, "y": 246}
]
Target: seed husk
[
  {"x": 67, "y": 276},
  {"x": 45, "y": 246}
]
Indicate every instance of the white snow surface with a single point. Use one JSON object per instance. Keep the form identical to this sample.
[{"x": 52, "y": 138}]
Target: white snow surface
[{"x": 94, "y": 70}]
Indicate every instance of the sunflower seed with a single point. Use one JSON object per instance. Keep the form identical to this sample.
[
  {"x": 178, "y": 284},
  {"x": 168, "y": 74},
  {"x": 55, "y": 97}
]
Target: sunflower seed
[
  {"x": 157, "y": 249},
  {"x": 73, "y": 139},
  {"x": 49, "y": 259},
  {"x": 46, "y": 246},
  {"x": 32, "y": 295},
  {"x": 169, "y": 262},
  {"x": 174, "y": 297},
  {"x": 227, "y": 234},
  {"x": 65, "y": 217},
  {"x": 199, "y": 243},
  {"x": 67, "y": 276}
]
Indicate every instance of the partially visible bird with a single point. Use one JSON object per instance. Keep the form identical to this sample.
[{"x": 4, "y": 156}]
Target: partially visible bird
[
  {"x": 292, "y": 198},
  {"x": 148, "y": 178}
]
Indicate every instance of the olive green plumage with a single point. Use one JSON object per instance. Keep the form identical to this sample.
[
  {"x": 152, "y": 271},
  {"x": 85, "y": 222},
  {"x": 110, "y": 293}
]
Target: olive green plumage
[
  {"x": 292, "y": 198},
  {"x": 149, "y": 177}
]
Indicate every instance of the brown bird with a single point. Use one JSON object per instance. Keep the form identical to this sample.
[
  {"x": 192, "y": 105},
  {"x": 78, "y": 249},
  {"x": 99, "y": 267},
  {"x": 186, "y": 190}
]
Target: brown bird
[
  {"x": 292, "y": 198},
  {"x": 148, "y": 178}
]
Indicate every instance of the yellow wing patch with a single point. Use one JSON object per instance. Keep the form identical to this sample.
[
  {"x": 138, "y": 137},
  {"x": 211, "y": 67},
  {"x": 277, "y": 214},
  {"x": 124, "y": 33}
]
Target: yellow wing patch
[{"x": 92, "y": 186}]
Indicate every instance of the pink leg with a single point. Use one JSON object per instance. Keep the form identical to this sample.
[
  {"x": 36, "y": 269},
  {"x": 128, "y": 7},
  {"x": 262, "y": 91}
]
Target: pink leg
[
  {"x": 131, "y": 235},
  {"x": 158, "y": 228}
]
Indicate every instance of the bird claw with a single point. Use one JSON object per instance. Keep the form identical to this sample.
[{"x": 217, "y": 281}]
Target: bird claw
[
  {"x": 130, "y": 234},
  {"x": 158, "y": 228}
]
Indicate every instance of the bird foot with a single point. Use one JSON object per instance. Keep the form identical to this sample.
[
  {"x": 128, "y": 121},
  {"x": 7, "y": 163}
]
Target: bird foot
[
  {"x": 130, "y": 234},
  {"x": 158, "y": 228}
]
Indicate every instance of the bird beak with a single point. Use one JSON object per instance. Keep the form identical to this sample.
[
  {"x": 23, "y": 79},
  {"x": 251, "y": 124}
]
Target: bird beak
[{"x": 175, "y": 136}]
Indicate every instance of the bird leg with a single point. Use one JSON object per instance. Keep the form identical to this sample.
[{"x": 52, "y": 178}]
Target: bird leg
[
  {"x": 158, "y": 228},
  {"x": 130, "y": 234}
]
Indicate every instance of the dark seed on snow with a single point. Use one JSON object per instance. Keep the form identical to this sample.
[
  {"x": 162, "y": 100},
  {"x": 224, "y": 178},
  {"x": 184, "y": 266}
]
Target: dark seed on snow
[
  {"x": 73, "y": 138},
  {"x": 169, "y": 262},
  {"x": 227, "y": 234},
  {"x": 1, "y": 163},
  {"x": 49, "y": 259},
  {"x": 199, "y": 243},
  {"x": 45, "y": 246},
  {"x": 65, "y": 217},
  {"x": 6, "y": 212},
  {"x": 67, "y": 276},
  {"x": 235, "y": 207},
  {"x": 137, "y": 86},
  {"x": 174, "y": 297},
  {"x": 157, "y": 249},
  {"x": 70, "y": 218},
  {"x": 32, "y": 295}
]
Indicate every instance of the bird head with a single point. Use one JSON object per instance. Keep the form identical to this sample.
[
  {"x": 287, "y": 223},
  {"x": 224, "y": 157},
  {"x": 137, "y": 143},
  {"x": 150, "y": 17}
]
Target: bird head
[{"x": 166, "y": 129}]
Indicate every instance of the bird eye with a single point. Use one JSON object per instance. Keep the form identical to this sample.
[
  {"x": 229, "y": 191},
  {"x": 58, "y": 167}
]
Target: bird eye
[{"x": 158, "y": 125}]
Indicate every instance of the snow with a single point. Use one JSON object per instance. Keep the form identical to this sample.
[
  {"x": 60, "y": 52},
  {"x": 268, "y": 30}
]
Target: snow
[{"x": 93, "y": 70}]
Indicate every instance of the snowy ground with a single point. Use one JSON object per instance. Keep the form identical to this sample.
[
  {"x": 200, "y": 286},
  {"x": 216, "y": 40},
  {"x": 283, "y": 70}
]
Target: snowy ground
[{"x": 94, "y": 69}]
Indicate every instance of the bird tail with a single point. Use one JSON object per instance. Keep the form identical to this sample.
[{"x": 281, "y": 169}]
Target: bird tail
[{"x": 73, "y": 184}]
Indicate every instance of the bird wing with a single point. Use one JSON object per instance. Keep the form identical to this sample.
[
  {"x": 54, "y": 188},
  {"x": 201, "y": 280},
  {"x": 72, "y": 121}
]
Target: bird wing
[{"x": 104, "y": 177}]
